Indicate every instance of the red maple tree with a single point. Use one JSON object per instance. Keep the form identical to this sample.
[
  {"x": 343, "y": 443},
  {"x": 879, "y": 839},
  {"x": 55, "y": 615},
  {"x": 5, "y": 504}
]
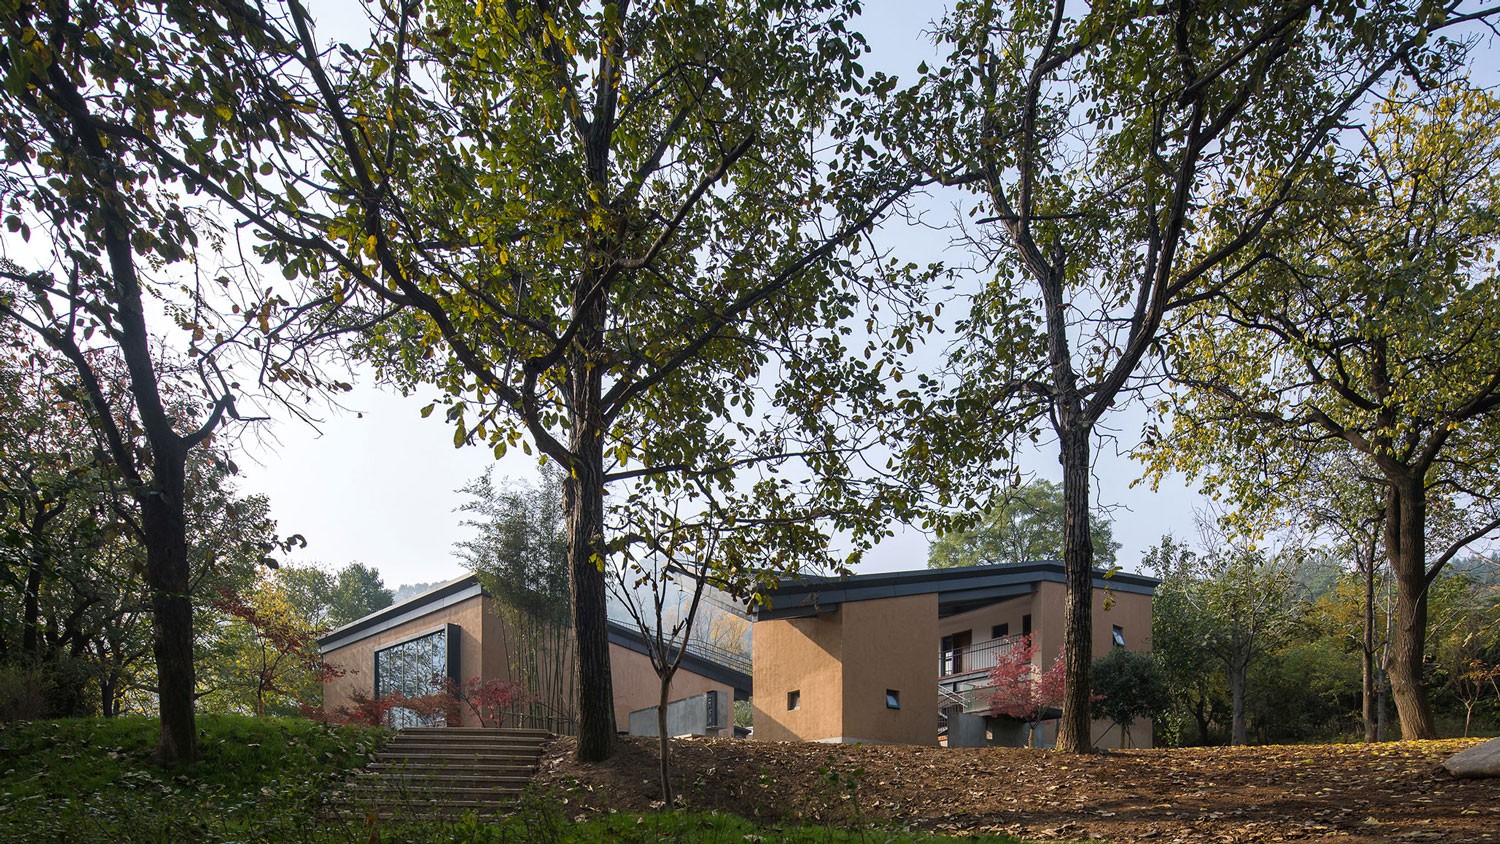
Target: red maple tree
[{"x": 1021, "y": 690}]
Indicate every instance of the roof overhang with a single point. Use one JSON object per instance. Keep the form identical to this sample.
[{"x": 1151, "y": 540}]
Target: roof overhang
[{"x": 957, "y": 589}]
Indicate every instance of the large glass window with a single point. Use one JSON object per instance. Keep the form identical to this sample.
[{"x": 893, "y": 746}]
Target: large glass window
[{"x": 415, "y": 668}]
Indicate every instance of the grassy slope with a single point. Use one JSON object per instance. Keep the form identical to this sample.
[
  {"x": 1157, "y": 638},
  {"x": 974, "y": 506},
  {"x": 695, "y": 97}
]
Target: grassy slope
[{"x": 88, "y": 781}]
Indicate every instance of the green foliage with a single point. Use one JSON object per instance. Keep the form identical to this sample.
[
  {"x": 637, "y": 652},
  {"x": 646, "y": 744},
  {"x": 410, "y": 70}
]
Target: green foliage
[
  {"x": 520, "y": 546},
  {"x": 1026, "y": 526},
  {"x": 1127, "y": 686},
  {"x": 1230, "y": 606},
  {"x": 357, "y": 591},
  {"x": 332, "y": 600},
  {"x": 1361, "y": 337},
  {"x": 519, "y": 552},
  {"x": 89, "y": 780}
]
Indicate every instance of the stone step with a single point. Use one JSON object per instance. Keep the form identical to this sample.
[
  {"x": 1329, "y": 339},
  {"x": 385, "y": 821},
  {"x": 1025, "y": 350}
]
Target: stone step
[
  {"x": 451, "y": 766},
  {"x": 488, "y": 757},
  {"x": 476, "y": 731},
  {"x": 437, "y": 790},
  {"x": 462, "y": 747},
  {"x": 467, "y": 741},
  {"x": 425, "y": 778}
]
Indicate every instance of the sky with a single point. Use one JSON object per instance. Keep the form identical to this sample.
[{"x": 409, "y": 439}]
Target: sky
[{"x": 379, "y": 484}]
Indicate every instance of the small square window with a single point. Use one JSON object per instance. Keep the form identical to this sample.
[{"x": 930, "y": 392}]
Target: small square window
[
  {"x": 1119, "y": 636},
  {"x": 1000, "y": 631},
  {"x": 892, "y": 699},
  {"x": 794, "y": 700}
]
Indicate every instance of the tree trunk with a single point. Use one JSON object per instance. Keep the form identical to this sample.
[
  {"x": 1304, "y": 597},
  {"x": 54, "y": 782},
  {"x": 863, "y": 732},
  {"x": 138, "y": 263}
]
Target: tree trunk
[
  {"x": 1074, "y": 731},
  {"x": 1200, "y": 715},
  {"x": 1405, "y": 526},
  {"x": 31, "y": 612},
  {"x": 1367, "y": 652},
  {"x": 165, "y": 532},
  {"x": 666, "y": 741},
  {"x": 1238, "y": 735},
  {"x": 584, "y": 503}
]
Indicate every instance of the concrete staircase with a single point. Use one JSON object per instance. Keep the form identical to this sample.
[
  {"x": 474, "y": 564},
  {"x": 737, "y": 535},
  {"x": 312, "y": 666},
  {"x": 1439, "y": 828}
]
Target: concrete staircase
[{"x": 448, "y": 770}]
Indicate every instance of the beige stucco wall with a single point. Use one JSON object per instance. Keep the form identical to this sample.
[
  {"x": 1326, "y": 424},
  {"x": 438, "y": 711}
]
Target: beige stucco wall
[
  {"x": 636, "y": 686},
  {"x": 357, "y": 660},
  {"x": 891, "y": 644},
  {"x": 841, "y": 664},
  {"x": 801, "y": 654}
]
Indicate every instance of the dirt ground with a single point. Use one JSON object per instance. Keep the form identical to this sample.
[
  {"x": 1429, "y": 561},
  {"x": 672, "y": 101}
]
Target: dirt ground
[{"x": 1351, "y": 794}]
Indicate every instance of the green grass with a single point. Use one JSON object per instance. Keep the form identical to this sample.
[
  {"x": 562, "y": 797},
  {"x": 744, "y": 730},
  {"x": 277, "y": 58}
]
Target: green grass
[{"x": 266, "y": 780}]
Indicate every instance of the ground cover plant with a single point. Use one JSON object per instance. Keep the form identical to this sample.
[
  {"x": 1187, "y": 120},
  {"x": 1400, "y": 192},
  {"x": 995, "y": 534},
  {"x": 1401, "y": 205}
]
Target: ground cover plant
[{"x": 86, "y": 779}]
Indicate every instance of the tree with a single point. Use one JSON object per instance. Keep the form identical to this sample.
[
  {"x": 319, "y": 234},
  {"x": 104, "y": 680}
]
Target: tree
[
  {"x": 653, "y": 592},
  {"x": 1093, "y": 148},
  {"x": 334, "y": 599},
  {"x": 267, "y": 656},
  {"x": 1177, "y": 633},
  {"x": 1025, "y": 527},
  {"x": 1365, "y": 326},
  {"x": 1466, "y": 640},
  {"x": 1241, "y": 604},
  {"x": 1023, "y": 690},
  {"x": 519, "y": 552},
  {"x": 1127, "y": 686},
  {"x": 91, "y": 94},
  {"x": 357, "y": 591},
  {"x": 607, "y": 232}
]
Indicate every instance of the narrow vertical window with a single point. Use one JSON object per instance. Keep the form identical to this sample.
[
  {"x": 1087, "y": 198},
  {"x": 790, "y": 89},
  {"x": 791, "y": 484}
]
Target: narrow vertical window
[
  {"x": 1025, "y": 625},
  {"x": 1119, "y": 636},
  {"x": 892, "y": 699},
  {"x": 794, "y": 700}
]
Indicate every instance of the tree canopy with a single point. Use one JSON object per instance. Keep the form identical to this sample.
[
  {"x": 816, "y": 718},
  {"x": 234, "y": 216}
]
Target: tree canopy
[
  {"x": 1026, "y": 526},
  {"x": 1364, "y": 326}
]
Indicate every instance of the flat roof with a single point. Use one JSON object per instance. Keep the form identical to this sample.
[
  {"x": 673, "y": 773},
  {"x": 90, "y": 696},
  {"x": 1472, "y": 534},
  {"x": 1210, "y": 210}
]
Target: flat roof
[{"x": 959, "y": 589}]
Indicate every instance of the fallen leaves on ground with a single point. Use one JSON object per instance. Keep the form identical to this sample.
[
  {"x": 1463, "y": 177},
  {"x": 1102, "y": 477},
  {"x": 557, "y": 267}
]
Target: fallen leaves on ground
[{"x": 1353, "y": 794}]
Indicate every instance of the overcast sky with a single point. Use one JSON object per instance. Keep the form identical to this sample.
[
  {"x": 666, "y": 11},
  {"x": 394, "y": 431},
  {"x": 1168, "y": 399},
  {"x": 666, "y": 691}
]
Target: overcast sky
[{"x": 380, "y": 487}]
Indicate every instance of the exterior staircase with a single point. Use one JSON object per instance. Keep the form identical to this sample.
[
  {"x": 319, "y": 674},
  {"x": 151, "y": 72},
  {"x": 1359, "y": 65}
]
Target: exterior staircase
[{"x": 448, "y": 770}]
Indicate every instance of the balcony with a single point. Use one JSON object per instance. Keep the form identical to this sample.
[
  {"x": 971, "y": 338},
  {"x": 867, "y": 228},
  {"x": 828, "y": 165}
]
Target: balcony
[{"x": 974, "y": 659}]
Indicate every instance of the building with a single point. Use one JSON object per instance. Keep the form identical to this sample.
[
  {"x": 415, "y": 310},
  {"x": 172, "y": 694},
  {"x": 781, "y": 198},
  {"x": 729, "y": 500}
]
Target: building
[
  {"x": 901, "y": 658},
  {"x": 459, "y": 631}
]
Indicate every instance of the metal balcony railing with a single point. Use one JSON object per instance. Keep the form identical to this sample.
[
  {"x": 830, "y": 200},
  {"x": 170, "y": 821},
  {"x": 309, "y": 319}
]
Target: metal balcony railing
[{"x": 971, "y": 659}]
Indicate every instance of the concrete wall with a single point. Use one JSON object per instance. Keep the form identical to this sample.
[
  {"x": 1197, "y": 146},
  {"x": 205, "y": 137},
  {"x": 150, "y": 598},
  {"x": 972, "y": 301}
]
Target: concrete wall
[
  {"x": 841, "y": 665},
  {"x": 358, "y": 658},
  {"x": 636, "y": 686},
  {"x": 686, "y": 717}
]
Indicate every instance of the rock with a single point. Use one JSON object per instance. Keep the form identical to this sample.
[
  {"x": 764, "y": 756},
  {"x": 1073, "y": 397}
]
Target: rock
[{"x": 1481, "y": 760}]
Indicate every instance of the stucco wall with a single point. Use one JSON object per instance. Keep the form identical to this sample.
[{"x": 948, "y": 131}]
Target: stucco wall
[
  {"x": 891, "y": 644},
  {"x": 841, "y": 664},
  {"x": 636, "y": 686},
  {"x": 984, "y": 619},
  {"x": 358, "y": 658},
  {"x": 802, "y": 655}
]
